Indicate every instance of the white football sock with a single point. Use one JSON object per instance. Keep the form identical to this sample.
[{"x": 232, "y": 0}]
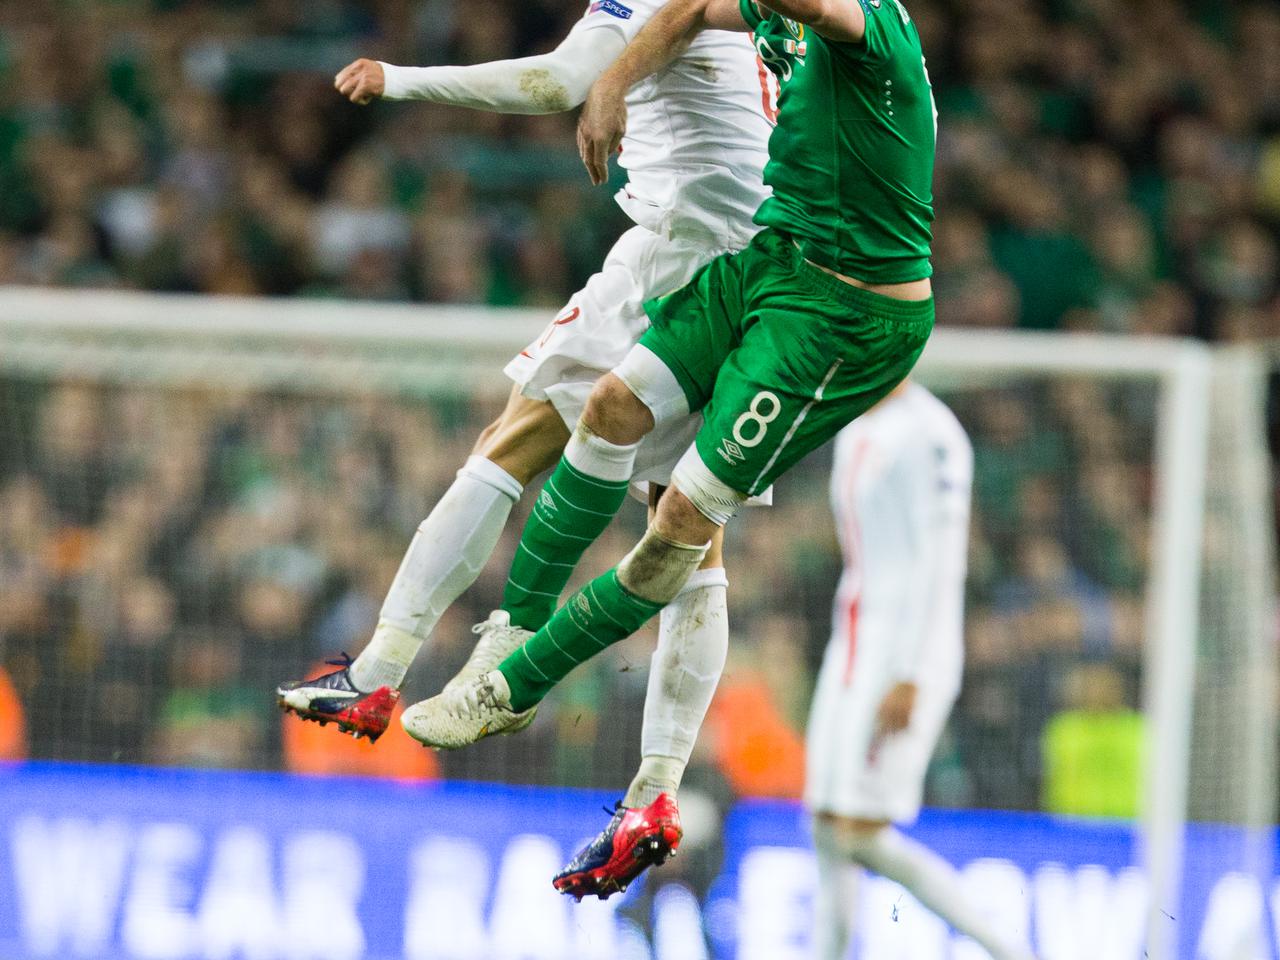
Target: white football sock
[
  {"x": 835, "y": 903},
  {"x": 593, "y": 455},
  {"x": 448, "y": 552},
  {"x": 693, "y": 641},
  {"x": 933, "y": 881}
]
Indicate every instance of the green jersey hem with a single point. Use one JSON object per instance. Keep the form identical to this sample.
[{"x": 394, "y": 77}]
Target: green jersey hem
[{"x": 864, "y": 301}]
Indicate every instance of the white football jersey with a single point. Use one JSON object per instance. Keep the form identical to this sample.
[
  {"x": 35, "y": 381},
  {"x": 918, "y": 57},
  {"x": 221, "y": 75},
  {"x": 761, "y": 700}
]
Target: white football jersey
[
  {"x": 697, "y": 132},
  {"x": 900, "y": 488}
]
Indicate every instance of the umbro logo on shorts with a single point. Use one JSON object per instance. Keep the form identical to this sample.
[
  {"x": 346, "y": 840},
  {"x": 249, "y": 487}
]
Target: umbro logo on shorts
[{"x": 730, "y": 451}]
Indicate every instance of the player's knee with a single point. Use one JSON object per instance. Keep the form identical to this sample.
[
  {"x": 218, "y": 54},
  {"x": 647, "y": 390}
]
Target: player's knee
[
  {"x": 658, "y": 567},
  {"x": 856, "y": 826},
  {"x": 715, "y": 553},
  {"x": 853, "y": 838},
  {"x": 677, "y": 518},
  {"x": 615, "y": 413}
]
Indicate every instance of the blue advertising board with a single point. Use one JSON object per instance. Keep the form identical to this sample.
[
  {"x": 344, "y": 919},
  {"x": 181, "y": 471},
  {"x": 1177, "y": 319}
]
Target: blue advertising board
[{"x": 148, "y": 864}]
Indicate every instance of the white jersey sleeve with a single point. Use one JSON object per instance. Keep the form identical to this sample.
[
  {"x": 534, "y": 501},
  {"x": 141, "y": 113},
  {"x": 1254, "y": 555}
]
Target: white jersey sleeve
[{"x": 546, "y": 83}]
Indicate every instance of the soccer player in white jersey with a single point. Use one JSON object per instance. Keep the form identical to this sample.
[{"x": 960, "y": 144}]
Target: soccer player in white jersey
[
  {"x": 694, "y": 155},
  {"x": 900, "y": 490}
]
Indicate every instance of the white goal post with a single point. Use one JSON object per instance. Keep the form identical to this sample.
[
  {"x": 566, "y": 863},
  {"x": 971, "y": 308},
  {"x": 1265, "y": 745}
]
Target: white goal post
[
  {"x": 1183, "y": 371},
  {"x": 1210, "y": 404}
]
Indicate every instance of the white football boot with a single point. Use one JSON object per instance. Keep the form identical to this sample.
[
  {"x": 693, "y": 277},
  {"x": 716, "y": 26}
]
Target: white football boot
[
  {"x": 470, "y": 711},
  {"x": 498, "y": 640}
]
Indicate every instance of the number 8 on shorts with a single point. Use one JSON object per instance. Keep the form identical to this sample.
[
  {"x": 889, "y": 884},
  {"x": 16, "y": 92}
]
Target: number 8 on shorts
[
  {"x": 759, "y": 417},
  {"x": 779, "y": 356}
]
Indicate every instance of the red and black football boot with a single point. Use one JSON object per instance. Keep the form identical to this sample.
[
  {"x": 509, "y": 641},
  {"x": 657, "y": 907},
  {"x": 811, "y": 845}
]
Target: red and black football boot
[
  {"x": 333, "y": 698},
  {"x": 635, "y": 839}
]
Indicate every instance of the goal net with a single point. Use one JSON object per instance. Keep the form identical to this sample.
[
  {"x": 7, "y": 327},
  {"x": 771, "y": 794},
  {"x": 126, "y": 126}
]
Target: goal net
[{"x": 200, "y": 498}]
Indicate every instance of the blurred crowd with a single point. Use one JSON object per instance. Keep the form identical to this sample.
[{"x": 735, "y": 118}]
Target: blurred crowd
[
  {"x": 1101, "y": 166},
  {"x": 169, "y": 556}
]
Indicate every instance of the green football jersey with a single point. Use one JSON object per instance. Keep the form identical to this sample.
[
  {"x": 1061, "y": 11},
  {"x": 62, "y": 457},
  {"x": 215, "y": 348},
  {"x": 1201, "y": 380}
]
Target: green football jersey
[{"x": 851, "y": 159}]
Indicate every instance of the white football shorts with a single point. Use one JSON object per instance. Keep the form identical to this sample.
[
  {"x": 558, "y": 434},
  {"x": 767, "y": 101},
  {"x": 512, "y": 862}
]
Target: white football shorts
[
  {"x": 852, "y": 773},
  {"x": 597, "y": 328}
]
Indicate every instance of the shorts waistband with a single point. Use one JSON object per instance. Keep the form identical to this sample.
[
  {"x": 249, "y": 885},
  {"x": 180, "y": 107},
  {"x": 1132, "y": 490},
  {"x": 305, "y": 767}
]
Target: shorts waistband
[{"x": 816, "y": 278}]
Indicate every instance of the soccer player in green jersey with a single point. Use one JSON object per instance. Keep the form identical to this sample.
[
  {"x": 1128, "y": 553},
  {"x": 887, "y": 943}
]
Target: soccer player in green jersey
[{"x": 779, "y": 346}]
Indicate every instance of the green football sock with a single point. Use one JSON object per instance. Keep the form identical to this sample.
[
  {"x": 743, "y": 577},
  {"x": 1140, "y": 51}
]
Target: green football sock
[
  {"x": 571, "y": 511},
  {"x": 597, "y": 616}
]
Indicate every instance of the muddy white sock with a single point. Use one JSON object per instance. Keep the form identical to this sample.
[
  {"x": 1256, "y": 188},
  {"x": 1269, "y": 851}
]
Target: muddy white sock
[
  {"x": 657, "y": 775},
  {"x": 693, "y": 641},
  {"x": 386, "y": 660}
]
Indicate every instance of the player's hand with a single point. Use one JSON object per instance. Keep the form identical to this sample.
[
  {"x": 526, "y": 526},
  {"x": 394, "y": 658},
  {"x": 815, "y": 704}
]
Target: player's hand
[
  {"x": 361, "y": 81},
  {"x": 896, "y": 708},
  {"x": 600, "y": 128}
]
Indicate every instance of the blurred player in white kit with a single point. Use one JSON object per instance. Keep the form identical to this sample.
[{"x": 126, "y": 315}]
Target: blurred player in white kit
[
  {"x": 900, "y": 489},
  {"x": 694, "y": 154}
]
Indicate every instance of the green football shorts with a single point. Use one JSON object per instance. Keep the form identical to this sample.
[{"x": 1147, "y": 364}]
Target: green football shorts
[{"x": 779, "y": 356}]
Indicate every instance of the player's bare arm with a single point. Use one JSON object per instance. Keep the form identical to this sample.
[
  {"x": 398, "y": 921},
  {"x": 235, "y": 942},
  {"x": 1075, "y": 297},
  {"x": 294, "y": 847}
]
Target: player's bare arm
[
  {"x": 839, "y": 20},
  {"x": 661, "y": 41},
  {"x": 547, "y": 83}
]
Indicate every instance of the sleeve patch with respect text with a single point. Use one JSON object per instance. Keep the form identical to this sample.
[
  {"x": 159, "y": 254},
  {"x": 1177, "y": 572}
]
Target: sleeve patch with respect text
[{"x": 611, "y": 7}]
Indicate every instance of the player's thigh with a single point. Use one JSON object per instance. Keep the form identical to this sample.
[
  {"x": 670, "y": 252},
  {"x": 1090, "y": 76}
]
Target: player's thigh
[
  {"x": 526, "y": 439},
  {"x": 808, "y": 365}
]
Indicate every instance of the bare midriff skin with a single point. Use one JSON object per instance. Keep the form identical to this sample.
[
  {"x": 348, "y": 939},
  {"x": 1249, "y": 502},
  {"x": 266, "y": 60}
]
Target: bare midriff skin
[{"x": 911, "y": 290}]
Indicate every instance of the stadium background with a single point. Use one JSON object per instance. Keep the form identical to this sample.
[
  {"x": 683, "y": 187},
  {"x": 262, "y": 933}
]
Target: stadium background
[{"x": 167, "y": 555}]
